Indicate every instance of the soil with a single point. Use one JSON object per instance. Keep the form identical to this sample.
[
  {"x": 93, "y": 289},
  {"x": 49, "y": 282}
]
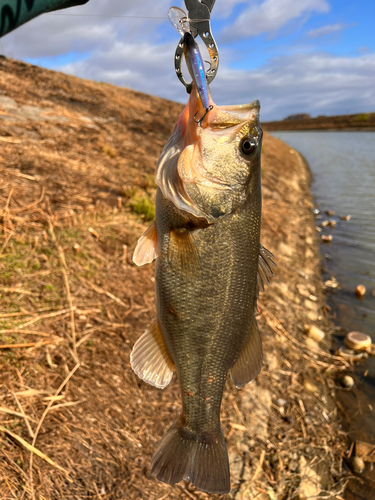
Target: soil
[
  {"x": 359, "y": 121},
  {"x": 76, "y": 192}
]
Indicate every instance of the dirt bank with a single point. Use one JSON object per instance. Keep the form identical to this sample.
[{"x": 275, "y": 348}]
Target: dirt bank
[
  {"x": 76, "y": 191},
  {"x": 362, "y": 121}
]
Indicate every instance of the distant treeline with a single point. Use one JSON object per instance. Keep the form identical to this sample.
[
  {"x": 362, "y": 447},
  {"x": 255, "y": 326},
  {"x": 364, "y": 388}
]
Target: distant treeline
[{"x": 303, "y": 121}]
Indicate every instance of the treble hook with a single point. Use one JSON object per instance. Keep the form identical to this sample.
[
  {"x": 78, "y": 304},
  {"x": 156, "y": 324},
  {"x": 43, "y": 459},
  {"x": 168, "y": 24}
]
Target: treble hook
[{"x": 199, "y": 122}]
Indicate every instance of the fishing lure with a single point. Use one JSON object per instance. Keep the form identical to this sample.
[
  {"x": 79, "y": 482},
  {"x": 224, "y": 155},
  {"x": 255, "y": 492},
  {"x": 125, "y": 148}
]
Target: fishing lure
[{"x": 193, "y": 57}]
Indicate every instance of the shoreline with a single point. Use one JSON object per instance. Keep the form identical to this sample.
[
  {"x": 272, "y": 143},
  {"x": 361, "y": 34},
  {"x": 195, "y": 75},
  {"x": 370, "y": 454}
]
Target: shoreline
[{"x": 77, "y": 192}]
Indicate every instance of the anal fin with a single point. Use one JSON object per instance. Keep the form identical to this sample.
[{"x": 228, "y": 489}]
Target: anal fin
[
  {"x": 150, "y": 359},
  {"x": 249, "y": 363},
  {"x": 183, "y": 255},
  {"x": 146, "y": 250}
]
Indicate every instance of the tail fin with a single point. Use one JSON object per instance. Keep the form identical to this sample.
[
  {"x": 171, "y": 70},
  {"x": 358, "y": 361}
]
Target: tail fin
[{"x": 202, "y": 459}]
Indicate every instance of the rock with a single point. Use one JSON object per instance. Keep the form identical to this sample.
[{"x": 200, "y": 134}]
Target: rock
[
  {"x": 345, "y": 217},
  {"x": 312, "y": 345},
  {"x": 309, "y": 386},
  {"x": 332, "y": 223},
  {"x": 358, "y": 341},
  {"x": 360, "y": 290},
  {"x": 330, "y": 213},
  {"x": 303, "y": 290},
  {"x": 310, "y": 305},
  {"x": 315, "y": 211},
  {"x": 310, "y": 485},
  {"x": 312, "y": 316},
  {"x": 315, "y": 333},
  {"x": 373, "y": 292},
  {"x": 347, "y": 381},
  {"x": 332, "y": 283},
  {"x": 326, "y": 238},
  {"x": 285, "y": 249},
  {"x": 357, "y": 465}
]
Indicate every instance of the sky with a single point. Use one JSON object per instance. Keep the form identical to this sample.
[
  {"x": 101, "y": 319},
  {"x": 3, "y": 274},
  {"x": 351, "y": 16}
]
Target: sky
[{"x": 295, "y": 56}]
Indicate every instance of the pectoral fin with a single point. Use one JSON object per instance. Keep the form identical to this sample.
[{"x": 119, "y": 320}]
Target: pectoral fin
[
  {"x": 249, "y": 364},
  {"x": 150, "y": 359},
  {"x": 183, "y": 255},
  {"x": 147, "y": 247},
  {"x": 265, "y": 264}
]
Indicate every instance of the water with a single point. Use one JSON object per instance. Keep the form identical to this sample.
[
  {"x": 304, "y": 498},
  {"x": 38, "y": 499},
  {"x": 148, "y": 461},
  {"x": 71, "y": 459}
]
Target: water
[{"x": 343, "y": 167}]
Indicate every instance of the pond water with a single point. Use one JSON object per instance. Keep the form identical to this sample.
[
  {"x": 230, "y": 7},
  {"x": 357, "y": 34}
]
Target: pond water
[{"x": 343, "y": 168}]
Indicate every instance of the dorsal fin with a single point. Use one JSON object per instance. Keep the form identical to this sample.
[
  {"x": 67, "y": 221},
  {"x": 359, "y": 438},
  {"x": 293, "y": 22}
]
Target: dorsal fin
[{"x": 265, "y": 273}]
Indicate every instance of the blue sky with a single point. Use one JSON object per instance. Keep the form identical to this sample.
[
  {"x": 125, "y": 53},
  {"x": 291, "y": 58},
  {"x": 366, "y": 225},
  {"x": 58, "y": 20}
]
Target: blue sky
[{"x": 312, "y": 56}]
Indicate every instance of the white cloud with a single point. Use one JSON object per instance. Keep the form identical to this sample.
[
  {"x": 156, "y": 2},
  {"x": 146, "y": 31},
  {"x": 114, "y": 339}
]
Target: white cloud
[
  {"x": 81, "y": 29},
  {"x": 326, "y": 30},
  {"x": 271, "y": 16},
  {"x": 133, "y": 53},
  {"x": 317, "y": 83}
]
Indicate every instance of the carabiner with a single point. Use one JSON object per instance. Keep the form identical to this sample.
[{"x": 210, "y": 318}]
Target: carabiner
[{"x": 198, "y": 21}]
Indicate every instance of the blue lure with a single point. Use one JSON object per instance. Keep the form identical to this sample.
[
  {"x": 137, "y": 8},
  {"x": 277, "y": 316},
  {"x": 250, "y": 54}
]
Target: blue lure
[{"x": 193, "y": 57}]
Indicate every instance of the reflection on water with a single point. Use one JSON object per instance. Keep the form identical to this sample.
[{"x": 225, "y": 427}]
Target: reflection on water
[{"x": 343, "y": 167}]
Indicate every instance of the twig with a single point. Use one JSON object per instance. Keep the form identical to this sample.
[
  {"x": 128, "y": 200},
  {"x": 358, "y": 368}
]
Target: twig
[
  {"x": 40, "y": 423},
  {"x": 17, "y": 290},
  {"x": 31, "y": 433},
  {"x": 45, "y": 316},
  {"x": 27, "y": 207},
  {"x": 259, "y": 466},
  {"x": 35, "y": 451},
  {"x": 28, "y": 344},
  {"x": 97, "y": 289},
  {"x": 255, "y": 475},
  {"x": 13, "y": 315},
  {"x": 6, "y": 242},
  {"x": 26, "y": 332},
  {"x": 67, "y": 288},
  {"x": 8, "y": 200},
  {"x": 15, "y": 413}
]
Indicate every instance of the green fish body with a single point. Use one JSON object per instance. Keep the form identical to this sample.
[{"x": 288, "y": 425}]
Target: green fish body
[{"x": 206, "y": 238}]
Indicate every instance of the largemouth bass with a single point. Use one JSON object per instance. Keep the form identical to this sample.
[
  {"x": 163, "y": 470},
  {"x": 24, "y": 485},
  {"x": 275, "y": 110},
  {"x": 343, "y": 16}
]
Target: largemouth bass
[{"x": 209, "y": 268}]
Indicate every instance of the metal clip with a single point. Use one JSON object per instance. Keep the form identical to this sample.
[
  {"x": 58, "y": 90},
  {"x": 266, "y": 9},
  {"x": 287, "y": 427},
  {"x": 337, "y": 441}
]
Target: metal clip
[{"x": 199, "y": 14}]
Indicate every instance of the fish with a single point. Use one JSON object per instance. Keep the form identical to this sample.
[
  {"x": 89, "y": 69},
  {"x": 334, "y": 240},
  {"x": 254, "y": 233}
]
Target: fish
[
  {"x": 193, "y": 57},
  {"x": 210, "y": 268}
]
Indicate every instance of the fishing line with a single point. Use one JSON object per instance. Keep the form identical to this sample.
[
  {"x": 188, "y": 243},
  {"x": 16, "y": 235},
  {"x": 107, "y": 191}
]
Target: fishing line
[{"x": 98, "y": 15}]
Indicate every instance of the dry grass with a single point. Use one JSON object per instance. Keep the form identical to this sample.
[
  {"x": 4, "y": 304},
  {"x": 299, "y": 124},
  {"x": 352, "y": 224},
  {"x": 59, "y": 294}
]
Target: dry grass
[{"x": 73, "y": 304}]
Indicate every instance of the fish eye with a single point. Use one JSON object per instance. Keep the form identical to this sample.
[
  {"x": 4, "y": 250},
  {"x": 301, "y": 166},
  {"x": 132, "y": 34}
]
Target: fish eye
[{"x": 248, "y": 146}]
